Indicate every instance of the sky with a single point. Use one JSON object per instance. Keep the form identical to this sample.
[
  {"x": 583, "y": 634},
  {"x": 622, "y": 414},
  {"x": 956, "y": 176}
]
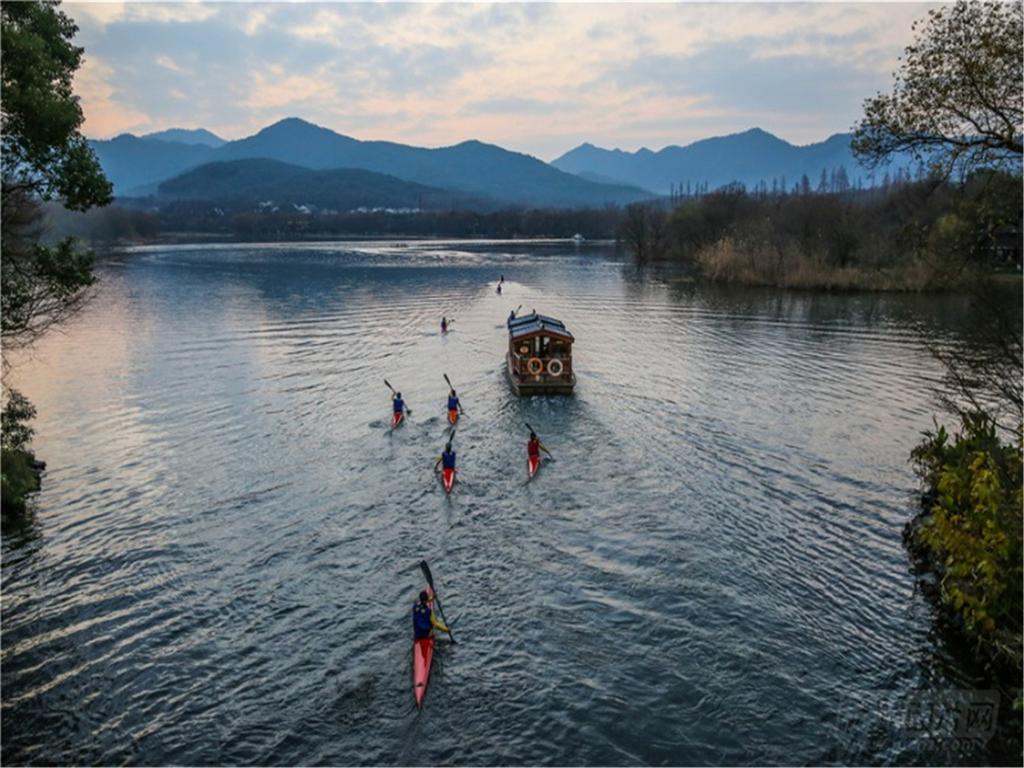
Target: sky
[{"x": 539, "y": 78}]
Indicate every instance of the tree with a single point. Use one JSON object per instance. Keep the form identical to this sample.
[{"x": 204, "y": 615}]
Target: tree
[
  {"x": 44, "y": 158},
  {"x": 643, "y": 230},
  {"x": 957, "y": 99}
]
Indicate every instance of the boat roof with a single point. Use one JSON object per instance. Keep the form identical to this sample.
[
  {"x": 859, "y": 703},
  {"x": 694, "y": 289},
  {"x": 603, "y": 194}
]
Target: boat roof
[{"x": 527, "y": 325}]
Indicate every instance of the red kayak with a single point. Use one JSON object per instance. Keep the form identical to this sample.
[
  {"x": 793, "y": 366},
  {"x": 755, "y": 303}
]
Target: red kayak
[
  {"x": 422, "y": 655},
  {"x": 453, "y": 415},
  {"x": 396, "y": 419},
  {"x": 448, "y": 478},
  {"x": 532, "y": 464}
]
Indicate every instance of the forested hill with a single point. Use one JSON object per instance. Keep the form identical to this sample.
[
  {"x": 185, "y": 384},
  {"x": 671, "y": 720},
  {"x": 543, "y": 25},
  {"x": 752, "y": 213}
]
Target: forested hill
[{"x": 275, "y": 185}]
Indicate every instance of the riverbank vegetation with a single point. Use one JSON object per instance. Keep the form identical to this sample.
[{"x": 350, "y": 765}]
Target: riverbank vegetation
[
  {"x": 930, "y": 234},
  {"x": 966, "y": 540},
  {"x": 45, "y": 157}
]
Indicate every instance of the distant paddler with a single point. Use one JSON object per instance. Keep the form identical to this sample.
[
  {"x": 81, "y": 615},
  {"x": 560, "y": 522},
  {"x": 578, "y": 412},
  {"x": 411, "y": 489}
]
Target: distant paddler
[
  {"x": 512, "y": 314},
  {"x": 445, "y": 322}
]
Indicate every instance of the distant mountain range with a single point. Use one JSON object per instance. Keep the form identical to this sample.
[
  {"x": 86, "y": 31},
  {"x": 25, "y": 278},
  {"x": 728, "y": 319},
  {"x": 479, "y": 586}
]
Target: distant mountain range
[
  {"x": 750, "y": 157},
  {"x": 470, "y": 174},
  {"x": 137, "y": 166}
]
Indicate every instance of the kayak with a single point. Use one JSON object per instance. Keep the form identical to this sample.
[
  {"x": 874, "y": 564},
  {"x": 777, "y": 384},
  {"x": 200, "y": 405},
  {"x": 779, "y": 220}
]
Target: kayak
[
  {"x": 448, "y": 478},
  {"x": 532, "y": 464},
  {"x": 396, "y": 419},
  {"x": 453, "y": 415},
  {"x": 422, "y": 655}
]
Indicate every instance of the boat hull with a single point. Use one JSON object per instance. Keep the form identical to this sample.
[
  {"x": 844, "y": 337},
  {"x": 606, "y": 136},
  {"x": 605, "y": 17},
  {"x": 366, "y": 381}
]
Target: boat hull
[
  {"x": 448, "y": 479},
  {"x": 453, "y": 415},
  {"x": 534, "y": 385},
  {"x": 397, "y": 419},
  {"x": 532, "y": 465}
]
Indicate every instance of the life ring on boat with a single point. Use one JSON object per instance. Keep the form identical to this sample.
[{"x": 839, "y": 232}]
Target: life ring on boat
[
  {"x": 534, "y": 366},
  {"x": 555, "y": 367}
]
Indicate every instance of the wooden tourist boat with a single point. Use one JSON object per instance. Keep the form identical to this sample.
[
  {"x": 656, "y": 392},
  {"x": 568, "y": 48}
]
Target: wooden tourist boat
[{"x": 540, "y": 356}]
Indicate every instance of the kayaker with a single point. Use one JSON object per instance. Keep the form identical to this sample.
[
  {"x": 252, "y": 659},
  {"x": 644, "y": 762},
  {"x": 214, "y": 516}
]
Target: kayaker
[
  {"x": 453, "y": 402},
  {"x": 423, "y": 618},
  {"x": 499, "y": 287},
  {"x": 535, "y": 446},
  {"x": 511, "y": 315},
  {"x": 444, "y": 325},
  {"x": 398, "y": 404},
  {"x": 447, "y": 458}
]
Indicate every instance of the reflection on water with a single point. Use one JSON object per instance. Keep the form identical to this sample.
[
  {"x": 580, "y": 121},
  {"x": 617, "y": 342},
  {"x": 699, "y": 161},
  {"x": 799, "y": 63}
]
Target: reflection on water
[{"x": 224, "y": 555}]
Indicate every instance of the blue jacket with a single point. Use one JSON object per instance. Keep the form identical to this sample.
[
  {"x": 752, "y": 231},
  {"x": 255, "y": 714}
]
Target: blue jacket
[
  {"x": 453, "y": 403},
  {"x": 448, "y": 460},
  {"x": 421, "y": 625},
  {"x": 398, "y": 405}
]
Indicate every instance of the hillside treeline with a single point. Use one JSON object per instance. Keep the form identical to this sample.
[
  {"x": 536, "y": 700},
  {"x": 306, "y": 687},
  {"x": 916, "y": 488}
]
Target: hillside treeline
[
  {"x": 191, "y": 218},
  {"x": 910, "y": 236}
]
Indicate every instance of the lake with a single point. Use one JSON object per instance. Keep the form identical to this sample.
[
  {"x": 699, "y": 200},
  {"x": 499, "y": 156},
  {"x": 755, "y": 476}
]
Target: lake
[{"x": 223, "y": 558}]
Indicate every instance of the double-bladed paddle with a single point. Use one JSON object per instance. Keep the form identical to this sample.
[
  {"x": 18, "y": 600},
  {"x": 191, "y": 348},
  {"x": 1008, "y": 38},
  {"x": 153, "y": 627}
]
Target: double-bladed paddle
[{"x": 440, "y": 609}]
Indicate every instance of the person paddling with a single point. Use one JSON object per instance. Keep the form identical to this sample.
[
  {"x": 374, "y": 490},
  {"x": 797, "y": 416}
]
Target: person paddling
[
  {"x": 454, "y": 406},
  {"x": 423, "y": 619},
  {"x": 447, "y": 458},
  {"x": 444, "y": 325},
  {"x": 398, "y": 405},
  {"x": 535, "y": 446}
]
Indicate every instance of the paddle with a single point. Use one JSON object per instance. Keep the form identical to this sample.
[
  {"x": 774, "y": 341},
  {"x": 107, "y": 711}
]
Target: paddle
[
  {"x": 440, "y": 609},
  {"x": 538, "y": 438},
  {"x": 408, "y": 410}
]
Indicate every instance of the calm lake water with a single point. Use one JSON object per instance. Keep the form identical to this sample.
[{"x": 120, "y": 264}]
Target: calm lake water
[{"x": 223, "y": 559}]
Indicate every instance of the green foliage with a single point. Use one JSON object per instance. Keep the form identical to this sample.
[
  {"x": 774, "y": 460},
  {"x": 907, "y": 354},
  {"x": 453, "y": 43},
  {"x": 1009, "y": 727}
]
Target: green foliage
[
  {"x": 42, "y": 148},
  {"x": 17, "y": 480},
  {"x": 17, "y": 412},
  {"x": 972, "y": 532},
  {"x": 957, "y": 99},
  {"x": 16, "y": 470},
  {"x": 44, "y": 156}
]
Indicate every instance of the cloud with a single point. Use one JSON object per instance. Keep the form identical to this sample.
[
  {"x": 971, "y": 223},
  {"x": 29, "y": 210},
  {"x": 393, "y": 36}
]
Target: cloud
[
  {"x": 527, "y": 76},
  {"x": 514, "y": 105}
]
